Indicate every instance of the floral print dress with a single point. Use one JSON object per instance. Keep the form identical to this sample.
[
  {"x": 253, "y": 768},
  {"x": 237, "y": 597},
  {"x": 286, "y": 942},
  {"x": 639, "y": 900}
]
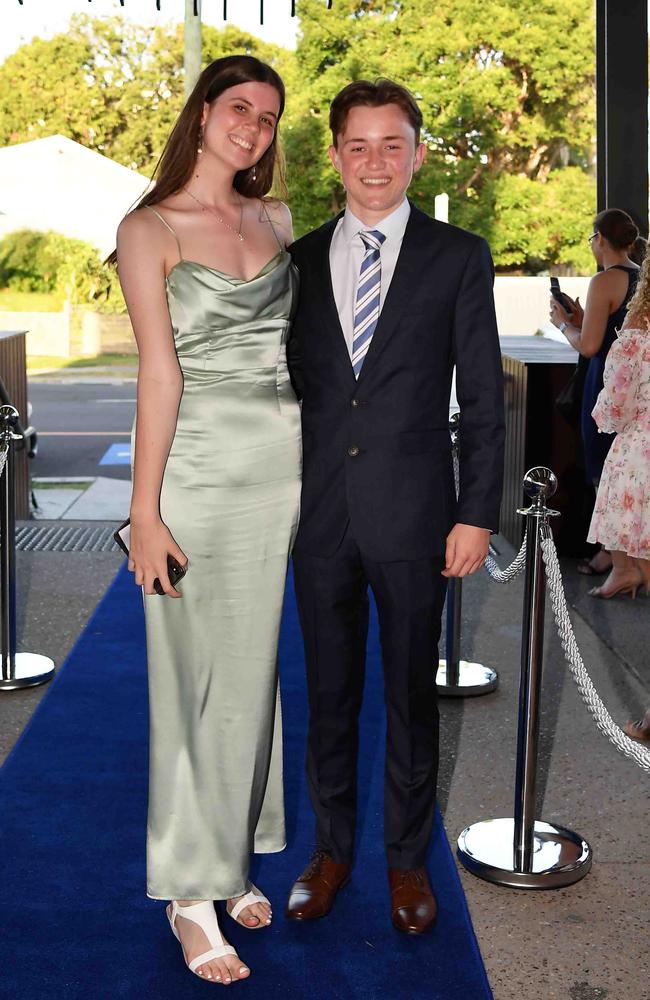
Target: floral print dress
[{"x": 621, "y": 519}]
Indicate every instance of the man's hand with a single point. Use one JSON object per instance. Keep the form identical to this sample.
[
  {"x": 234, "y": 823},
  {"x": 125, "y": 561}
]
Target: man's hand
[{"x": 467, "y": 547}]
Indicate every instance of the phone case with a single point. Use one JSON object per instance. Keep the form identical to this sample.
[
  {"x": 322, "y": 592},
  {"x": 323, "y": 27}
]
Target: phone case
[
  {"x": 560, "y": 296},
  {"x": 176, "y": 572}
]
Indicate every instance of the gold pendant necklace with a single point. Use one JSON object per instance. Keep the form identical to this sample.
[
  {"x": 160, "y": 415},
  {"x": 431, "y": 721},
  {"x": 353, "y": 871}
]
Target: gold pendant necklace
[{"x": 206, "y": 208}]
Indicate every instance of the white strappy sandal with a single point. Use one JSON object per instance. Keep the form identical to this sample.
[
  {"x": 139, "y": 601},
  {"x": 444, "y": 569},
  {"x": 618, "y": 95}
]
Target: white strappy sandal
[
  {"x": 254, "y": 895},
  {"x": 204, "y": 915}
]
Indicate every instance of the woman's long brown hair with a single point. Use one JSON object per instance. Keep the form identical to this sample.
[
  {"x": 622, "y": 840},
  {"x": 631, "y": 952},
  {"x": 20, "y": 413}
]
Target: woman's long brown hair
[{"x": 178, "y": 159}]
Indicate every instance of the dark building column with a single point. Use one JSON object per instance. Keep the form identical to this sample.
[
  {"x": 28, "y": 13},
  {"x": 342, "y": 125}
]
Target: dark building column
[{"x": 622, "y": 107}]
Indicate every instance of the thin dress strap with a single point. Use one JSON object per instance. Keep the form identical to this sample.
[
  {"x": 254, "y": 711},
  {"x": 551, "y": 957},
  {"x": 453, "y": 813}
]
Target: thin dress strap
[
  {"x": 167, "y": 226},
  {"x": 266, "y": 212}
]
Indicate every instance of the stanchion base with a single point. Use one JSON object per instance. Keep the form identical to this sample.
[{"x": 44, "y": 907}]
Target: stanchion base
[
  {"x": 560, "y": 857},
  {"x": 30, "y": 669},
  {"x": 473, "y": 679}
]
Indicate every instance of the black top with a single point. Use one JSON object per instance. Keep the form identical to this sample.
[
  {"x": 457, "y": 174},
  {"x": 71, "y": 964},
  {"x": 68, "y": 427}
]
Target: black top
[{"x": 597, "y": 445}]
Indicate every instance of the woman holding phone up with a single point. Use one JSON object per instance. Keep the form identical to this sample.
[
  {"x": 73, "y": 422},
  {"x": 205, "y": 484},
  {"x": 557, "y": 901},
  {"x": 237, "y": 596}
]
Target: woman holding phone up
[
  {"x": 592, "y": 332},
  {"x": 210, "y": 288}
]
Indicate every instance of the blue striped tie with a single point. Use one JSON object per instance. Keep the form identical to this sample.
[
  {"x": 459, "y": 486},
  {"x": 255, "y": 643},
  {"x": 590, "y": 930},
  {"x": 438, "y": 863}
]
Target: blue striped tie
[{"x": 366, "y": 309}]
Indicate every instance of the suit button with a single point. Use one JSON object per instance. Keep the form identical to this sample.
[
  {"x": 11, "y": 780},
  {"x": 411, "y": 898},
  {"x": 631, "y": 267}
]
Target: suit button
[
  {"x": 353, "y": 451},
  {"x": 354, "y": 402}
]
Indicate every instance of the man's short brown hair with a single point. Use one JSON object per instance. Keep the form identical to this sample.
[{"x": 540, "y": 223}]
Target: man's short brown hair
[{"x": 373, "y": 95}]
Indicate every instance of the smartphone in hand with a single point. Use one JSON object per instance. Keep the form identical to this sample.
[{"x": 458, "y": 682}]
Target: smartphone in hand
[
  {"x": 175, "y": 571},
  {"x": 560, "y": 296}
]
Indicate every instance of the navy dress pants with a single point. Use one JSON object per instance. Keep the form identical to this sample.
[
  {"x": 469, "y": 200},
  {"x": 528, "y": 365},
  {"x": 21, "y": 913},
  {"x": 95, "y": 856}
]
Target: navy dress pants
[{"x": 332, "y": 596}]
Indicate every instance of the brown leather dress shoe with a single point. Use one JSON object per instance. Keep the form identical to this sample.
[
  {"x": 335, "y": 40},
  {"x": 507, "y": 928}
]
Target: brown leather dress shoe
[
  {"x": 413, "y": 905},
  {"x": 314, "y": 893}
]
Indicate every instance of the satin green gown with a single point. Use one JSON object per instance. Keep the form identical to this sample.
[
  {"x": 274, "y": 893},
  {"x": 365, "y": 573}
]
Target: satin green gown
[{"x": 230, "y": 497}]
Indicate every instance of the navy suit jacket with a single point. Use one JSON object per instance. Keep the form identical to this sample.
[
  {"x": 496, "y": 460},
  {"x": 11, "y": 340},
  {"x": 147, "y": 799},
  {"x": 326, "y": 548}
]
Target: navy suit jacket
[{"x": 377, "y": 450}]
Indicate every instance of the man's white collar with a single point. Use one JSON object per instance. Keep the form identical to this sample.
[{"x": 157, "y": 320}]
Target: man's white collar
[{"x": 392, "y": 226}]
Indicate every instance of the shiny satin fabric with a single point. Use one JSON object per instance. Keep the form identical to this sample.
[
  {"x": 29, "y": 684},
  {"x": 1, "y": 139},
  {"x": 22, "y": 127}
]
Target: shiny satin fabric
[{"x": 230, "y": 497}]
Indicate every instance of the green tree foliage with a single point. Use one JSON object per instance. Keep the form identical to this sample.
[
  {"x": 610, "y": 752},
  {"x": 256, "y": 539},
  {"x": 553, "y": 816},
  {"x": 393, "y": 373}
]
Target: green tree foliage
[
  {"x": 506, "y": 89},
  {"x": 543, "y": 223},
  {"x": 111, "y": 85},
  {"x": 33, "y": 261}
]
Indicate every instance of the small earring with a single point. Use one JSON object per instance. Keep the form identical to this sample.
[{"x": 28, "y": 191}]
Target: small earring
[
  {"x": 200, "y": 145},
  {"x": 254, "y": 173}
]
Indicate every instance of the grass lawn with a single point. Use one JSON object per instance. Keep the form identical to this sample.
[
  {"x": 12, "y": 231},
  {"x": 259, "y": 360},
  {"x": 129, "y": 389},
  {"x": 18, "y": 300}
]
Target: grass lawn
[
  {"x": 38, "y": 484},
  {"x": 36, "y": 361},
  {"x": 11, "y": 301}
]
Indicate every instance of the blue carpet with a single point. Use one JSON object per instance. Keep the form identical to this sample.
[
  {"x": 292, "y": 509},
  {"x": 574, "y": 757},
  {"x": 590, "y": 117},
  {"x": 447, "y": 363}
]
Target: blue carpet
[{"x": 75, "y": 921}]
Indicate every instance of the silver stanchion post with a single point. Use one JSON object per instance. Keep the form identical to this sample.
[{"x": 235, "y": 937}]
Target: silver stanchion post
[
  {"x": 458, "y": 678},
  {"x": 19, "y": 670},
  {"x": 523, "y": 852}
]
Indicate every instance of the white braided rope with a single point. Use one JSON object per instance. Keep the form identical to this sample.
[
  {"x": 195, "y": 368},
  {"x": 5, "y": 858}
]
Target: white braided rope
[
  {"x": 638, "y": 753},
  {"x": 511, "y": 571},
  {"x": 7, "y": 415},
  {"x": 516, "y": 566}
]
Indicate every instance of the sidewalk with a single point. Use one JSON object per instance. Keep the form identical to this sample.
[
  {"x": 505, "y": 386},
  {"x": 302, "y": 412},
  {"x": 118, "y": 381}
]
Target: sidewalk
[
  {"x": 82, "y": 498},
  {"x": 587, "y": 942}
]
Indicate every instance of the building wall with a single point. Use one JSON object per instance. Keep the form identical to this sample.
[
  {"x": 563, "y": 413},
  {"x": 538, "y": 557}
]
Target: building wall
[
  {"x": 73, "y": 333},
  {"x": 47, "y": 333},
  {"x": 522, "y": 306},
  {"x": 97, "y": 333}
]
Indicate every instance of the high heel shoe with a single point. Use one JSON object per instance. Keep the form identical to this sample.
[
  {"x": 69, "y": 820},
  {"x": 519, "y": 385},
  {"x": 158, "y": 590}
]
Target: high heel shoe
[{"x": 623, "y": 588}]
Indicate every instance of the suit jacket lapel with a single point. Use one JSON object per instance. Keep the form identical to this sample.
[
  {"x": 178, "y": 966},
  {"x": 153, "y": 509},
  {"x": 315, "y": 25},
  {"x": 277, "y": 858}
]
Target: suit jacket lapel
[
  {"x": 330, "y": 312},
  {"x": 405, "y": 276}
]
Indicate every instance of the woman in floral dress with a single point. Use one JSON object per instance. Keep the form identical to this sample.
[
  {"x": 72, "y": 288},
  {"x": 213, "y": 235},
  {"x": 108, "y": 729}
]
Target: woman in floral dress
[{"x": 621, "y": 519}]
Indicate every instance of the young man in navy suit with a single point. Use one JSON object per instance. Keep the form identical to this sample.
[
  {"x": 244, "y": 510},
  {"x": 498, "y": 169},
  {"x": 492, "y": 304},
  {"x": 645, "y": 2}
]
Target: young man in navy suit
[{"x": 390, "y": 301}]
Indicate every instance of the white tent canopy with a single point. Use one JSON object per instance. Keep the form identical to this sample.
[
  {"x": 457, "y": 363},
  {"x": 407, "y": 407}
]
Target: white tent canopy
[{"x": 56, "y": 183}]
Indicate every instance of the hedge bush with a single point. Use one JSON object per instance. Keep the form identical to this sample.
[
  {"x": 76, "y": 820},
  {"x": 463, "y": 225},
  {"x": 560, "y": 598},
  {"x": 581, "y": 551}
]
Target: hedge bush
[{"x": 32, "y": 261}]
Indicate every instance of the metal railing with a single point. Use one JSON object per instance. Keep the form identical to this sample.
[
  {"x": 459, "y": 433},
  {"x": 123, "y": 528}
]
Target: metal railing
[
  {"x": 18, "y": 670},
  {"x": 522, "y": 851}
]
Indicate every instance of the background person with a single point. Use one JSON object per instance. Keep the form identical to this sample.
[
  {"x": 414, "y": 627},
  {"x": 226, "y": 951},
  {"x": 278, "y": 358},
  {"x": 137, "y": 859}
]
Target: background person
[
  {"x": 621, "y": 519},
  {"x": 210, "y": 291},
  {"x": 592, "y": 332}
]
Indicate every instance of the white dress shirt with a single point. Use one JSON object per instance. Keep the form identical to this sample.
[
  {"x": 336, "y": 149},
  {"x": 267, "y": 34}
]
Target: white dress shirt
[{"x": 346, "y": 253}]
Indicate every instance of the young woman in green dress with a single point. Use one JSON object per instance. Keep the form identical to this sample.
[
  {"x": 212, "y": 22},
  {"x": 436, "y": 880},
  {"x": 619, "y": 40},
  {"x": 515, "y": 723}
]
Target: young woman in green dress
[{"x": 210, "y": 290}]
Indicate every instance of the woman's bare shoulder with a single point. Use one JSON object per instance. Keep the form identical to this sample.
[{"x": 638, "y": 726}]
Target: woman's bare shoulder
[
  {"x": 136, "y": 222},
  {"x": 142, "y": 227},
  {"x": 609, "y": 286},
  {"x": 276, "y": 205},
  {"x": 278, "y": 211},
  {"x": 280, "y": 217},
  {"x": 611, "y": 277},
  {"x": 602, "y": 280}
]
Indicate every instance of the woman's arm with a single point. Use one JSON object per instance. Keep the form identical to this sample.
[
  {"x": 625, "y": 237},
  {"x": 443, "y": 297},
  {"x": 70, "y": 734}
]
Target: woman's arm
[
  {"x": 141, "y": 266},
  {"x": 617, "y": 405},
  {"x": 588, "y": 337}
]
